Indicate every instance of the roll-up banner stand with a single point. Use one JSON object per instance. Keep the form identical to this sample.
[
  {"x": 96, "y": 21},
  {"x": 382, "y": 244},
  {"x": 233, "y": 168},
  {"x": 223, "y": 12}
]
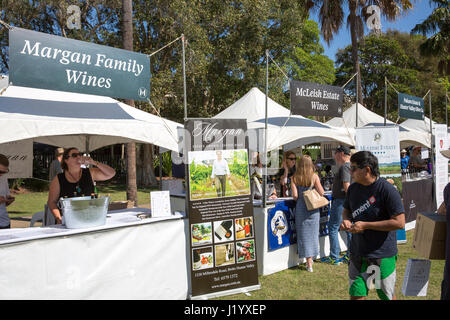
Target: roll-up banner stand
[
  {"x": 220, "y": 208},
  {"x": 312, "y": 99},
  {"x": 384, "y": 143},
  {"x": 441, "y": 164}
]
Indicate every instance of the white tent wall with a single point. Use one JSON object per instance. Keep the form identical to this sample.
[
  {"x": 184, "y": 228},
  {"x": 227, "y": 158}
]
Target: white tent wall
[{"x": 84, "y": 121}]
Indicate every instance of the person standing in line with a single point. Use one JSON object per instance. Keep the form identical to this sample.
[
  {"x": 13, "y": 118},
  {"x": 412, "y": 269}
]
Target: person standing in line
[
  {"x": 404, "y": 159},
  {"x": 287, "y": 171},
  {"x": 5, "y": 197},
  {"x": 306, "y": 222},
  {"x": 220, "y": 172},
  {"x": 373, "y": 211},
  {"x": 341, "y": 182},
  {"x": 55, "y": 165},
  {"x": 443, "y": 209}
]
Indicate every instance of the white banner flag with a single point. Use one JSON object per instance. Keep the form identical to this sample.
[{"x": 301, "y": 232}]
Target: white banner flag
[
  {"x": 384, "y": 143},
  {"x": 441, "y": 166}
]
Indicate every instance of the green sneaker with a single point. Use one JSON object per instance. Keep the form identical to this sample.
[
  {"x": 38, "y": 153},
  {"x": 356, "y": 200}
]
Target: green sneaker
[
  {"x": 346, "y": 259},
  {"x": 329, "y": 260}
]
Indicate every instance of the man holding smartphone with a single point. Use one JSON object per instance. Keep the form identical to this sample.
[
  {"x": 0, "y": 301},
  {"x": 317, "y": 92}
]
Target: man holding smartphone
[
  {"x": 373, "y": 211},
  {"x": 5, "y": 198}
]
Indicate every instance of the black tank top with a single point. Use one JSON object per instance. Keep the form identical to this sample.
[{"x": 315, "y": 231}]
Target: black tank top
[{"x": 84, "y": 186}]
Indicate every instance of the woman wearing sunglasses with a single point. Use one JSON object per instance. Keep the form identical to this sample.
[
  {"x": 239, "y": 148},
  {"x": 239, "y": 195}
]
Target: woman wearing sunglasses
[
  {"x": 76, "y": 181},
  {"x": 287, "y": 171}
]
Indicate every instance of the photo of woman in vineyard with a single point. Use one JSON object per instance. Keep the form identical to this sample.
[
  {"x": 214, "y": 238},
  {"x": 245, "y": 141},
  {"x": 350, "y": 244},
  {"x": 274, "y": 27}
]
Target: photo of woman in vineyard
[{"x": 221, "y": 173}]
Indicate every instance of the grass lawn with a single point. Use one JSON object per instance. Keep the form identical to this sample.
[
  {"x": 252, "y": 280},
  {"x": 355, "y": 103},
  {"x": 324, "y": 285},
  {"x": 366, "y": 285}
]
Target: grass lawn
[
  {"x": 329, "y": 282},
  {"x": 26, "y": 204}
]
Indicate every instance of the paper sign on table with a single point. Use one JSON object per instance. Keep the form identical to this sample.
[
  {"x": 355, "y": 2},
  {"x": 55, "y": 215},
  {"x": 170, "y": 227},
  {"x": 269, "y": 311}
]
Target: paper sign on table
[
  {"x": 417, "y": 273},
  {"x": 160, "y": 203}
]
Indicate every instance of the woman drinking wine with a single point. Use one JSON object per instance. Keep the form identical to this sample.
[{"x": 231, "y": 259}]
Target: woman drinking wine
[{"x": 76, "y": 181}]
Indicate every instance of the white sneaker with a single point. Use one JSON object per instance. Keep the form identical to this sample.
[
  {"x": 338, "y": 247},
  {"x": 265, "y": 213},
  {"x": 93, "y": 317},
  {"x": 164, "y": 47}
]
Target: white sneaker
[{"x": 309, "y": 269}]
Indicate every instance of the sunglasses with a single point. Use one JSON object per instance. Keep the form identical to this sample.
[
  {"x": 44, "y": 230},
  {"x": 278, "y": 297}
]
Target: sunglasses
[
  {"x": 73, "y": 155},
  {"x": 4, "y": 172},
  {"x": 292, "y": 159}
]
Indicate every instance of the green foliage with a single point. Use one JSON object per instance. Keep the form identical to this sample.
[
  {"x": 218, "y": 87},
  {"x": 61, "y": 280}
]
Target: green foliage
[
  {"x": 99, "y": 21},
  {"x": 199, "y": 173},
  {"x": 166, "y": 164},
  {"x": 397, "y": 57},
  {"x": 438, "y": 25},
  {"x": 239, "y": 166}
]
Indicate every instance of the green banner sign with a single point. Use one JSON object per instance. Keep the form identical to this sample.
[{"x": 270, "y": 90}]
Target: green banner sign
[
  {"x": 410, "y": 107},
  {"x": 44, "y": 61}
]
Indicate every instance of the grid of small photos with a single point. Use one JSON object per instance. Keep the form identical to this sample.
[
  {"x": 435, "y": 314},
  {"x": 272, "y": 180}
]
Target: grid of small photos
[{"x": 221, "y": 243}]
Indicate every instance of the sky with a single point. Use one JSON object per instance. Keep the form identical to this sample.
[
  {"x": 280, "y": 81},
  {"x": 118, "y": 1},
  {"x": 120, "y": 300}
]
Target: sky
[{"x": 421, "y": 10}]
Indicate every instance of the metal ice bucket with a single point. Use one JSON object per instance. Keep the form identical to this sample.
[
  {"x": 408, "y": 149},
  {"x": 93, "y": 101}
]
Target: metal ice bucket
[{"x": 84, "y": 212}]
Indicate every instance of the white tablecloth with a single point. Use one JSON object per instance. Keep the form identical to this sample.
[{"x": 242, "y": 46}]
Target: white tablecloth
[{"x": 127, "y": 258}]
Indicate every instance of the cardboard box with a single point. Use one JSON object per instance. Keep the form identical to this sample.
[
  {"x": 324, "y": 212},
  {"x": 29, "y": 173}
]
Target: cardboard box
[{"x": 430, "y": 235}]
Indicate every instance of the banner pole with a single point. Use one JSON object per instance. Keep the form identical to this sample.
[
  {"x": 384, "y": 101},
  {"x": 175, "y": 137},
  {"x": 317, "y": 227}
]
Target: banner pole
[
  {"x": 385, "y": 101},
  {"x": 356, "y": 86},
  {"x": 446, "y": 111},
  {"x": 265, "y": 133},
  {"x": 432, "y": 151},
  {"x": 184, "y": 77}
]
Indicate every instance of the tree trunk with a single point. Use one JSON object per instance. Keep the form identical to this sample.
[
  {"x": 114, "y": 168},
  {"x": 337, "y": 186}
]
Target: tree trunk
[
  {"x": 144, "y": 166},
  {"x": 353, "y": 31},
  {"x": 148, "y": 168},
  {"x": 127, "y": 31}
]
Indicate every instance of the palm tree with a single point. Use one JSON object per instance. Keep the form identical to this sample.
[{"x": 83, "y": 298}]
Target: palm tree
[
  {"x": 331, "y": 16},
  {"x": 439, "y": 43},
  {"x": 127, "y": 31}
]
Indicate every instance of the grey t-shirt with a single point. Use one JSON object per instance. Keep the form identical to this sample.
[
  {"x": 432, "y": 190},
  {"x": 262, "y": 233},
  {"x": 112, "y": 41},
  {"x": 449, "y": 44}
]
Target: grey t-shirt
[
  {"x": 55, "y": 169},
  {"x": 343, "y": 175}
]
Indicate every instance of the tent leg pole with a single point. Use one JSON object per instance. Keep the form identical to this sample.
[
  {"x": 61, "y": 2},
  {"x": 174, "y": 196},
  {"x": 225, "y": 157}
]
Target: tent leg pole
[{"x": 264, "y": 198}]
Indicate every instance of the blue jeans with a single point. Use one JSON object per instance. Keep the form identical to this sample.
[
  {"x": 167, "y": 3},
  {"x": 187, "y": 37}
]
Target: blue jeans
[{"x": 337, "y": 206}]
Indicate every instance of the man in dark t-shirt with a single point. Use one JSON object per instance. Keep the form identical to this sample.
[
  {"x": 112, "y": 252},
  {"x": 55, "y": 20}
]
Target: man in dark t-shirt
[{"x": 373, "y": 211}]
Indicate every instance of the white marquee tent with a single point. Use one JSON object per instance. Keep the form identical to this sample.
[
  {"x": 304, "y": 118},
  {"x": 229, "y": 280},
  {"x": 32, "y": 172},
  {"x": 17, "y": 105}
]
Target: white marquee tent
[
  {"x": 299, "y": 131},
  {"x": 407, "y": 135},
  {"x": 282, "y": 127},
  {"x": 419, "y": 125},
  {"x": 87, "y": 122},
  {"x": 252, "y": 106}
]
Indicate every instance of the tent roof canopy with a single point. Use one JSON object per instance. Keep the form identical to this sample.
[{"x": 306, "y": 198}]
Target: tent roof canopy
[
  {"x": 252, "y": 106},
  {"x": 419, "y": 125},
  {"x": 283, "y": 128},
  {"x": 87, "y": 122},
  {"x": 365, "y": 116},
  {"x": 407, "y": 135}
]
